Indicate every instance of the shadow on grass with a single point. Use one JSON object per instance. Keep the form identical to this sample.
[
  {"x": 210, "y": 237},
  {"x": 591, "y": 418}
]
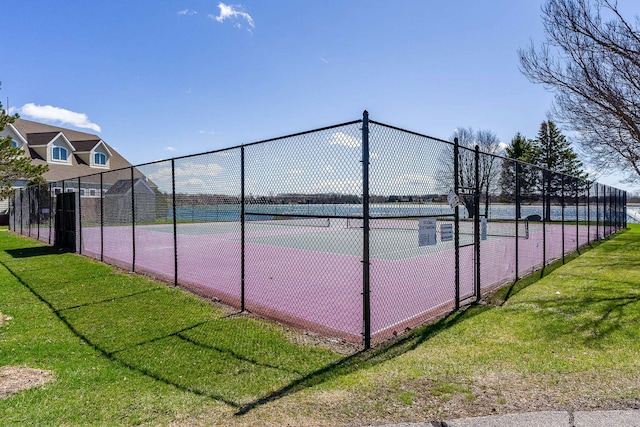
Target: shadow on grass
[
  {"x": 240, "y": 355},
  {"x": 33, "y": 252},
  {"x": 502, "y": 295},
  {"x": 182, "y": 351},
  {"x": 369, "y": 358}
]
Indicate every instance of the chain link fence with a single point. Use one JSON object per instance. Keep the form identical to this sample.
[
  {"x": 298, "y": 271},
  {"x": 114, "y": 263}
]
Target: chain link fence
[{"x": 357, "y": 231}]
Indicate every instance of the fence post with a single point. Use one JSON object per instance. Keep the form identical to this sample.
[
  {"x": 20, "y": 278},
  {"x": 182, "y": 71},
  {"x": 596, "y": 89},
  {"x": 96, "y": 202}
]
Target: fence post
[
  {"x": 588, "y": 185},
  {"x": 242, "y": 231},
  {"x": 133, "y": 224},
  {"x": 29, "y": 209},
  {"x": 544, "y": 219},
  {"x": 21, "y": 213},
  {"x": 578, "y": 216},
  {"x": 38, "y": 207},
  {"x": 101, "y": 218},
  {"x": 366, "y": 301},
  {"x": 50, "y": 210},
  {"x": 517, "y": 215},
  {"x": 476, "y": 222},
  {"x": 562, "y": 210},
  {"x": 456, "y": 220},
  {"x": 79, "y": 220},
  {"x": 597, "y": 212},
  {"x": 175, "y": 222}
]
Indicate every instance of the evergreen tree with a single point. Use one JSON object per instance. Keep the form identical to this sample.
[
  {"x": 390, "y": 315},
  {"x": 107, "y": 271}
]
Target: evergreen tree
[
  {"x": 14, "y": 165},
  {"x": 518, "y": 151},
  {"x": 553, "y": 153}
]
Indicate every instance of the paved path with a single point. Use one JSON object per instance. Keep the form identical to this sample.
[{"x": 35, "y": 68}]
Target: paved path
[{"x": 622, "y": 418}]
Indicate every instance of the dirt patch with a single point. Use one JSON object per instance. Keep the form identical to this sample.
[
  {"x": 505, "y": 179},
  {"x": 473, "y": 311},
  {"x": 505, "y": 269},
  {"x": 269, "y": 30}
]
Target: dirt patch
[
  {"x": 4, "y": 319},
  {"x": 17, "y": 378}
]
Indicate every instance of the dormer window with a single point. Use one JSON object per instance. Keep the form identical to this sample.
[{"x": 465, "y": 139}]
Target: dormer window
[
  {"x": 100, "y": 159},
  {"x": 60, "y": 154}
]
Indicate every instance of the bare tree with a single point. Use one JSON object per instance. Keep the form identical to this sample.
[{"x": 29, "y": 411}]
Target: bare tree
[
  {"x": 488, "y": 165},
  {"x": 591, "y": 59}
]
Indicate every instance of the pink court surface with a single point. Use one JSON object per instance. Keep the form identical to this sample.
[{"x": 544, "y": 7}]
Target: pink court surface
[{"x": 312, "y": 277}]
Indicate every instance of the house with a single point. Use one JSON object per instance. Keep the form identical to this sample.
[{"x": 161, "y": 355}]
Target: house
[
  {"x": 69, "y": 154},
  {"x": 118, "y": 201}
]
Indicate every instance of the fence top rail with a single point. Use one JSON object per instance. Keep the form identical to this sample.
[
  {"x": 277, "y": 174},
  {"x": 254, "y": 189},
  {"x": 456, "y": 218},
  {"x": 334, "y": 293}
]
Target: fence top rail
[
  {"x": 481, "y": 152},
  {"x": 321, "y": 129}
]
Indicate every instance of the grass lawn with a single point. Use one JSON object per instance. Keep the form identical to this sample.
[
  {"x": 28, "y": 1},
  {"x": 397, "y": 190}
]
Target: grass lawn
[{"x": 125, "y": 350}]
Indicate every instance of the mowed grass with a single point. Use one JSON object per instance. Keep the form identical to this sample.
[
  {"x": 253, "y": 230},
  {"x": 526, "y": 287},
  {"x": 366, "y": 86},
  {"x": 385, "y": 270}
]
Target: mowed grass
[{"x": 129, "y": 351}]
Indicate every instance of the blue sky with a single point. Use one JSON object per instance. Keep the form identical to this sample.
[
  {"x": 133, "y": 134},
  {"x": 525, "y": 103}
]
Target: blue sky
[{"x": 158, "y": 79}]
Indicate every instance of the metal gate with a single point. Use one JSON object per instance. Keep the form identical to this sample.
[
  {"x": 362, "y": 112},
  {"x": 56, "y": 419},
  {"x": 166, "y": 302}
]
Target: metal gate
[{"x": 66, "y": 221}]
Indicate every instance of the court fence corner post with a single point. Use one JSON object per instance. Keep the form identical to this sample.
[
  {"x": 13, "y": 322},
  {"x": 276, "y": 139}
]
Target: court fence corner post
[
  {"x": 456, "y": 221},
  {"x": 476, "y": 223},
  {"x": 366, "y": 301}
]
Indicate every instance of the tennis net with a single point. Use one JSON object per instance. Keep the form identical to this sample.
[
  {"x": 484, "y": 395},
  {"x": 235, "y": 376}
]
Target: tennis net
[{"x": 497, "y": 228}]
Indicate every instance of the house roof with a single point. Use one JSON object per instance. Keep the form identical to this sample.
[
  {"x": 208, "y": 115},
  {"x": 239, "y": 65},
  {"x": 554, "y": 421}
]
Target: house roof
[
  {"x": 123, "y": 186},
  {"x": 85, "y": 146},
  {"x": 41, "y": 138},
  {"x": 37, "y": 133}
]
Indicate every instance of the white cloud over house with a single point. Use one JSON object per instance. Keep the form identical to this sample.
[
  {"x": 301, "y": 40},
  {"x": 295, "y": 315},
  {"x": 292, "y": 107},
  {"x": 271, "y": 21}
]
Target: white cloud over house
[{"x": 49, "y": 113}]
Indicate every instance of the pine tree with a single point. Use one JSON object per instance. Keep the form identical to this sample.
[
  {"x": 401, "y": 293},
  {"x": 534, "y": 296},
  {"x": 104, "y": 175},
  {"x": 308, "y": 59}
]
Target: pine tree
[
  {"x": 522, "y": 150},
  {"x": 559, "y": 163}
]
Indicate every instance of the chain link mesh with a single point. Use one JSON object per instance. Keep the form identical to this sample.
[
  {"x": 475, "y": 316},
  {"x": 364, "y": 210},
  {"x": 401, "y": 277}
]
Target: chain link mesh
[{"x": 279, "y": 228}]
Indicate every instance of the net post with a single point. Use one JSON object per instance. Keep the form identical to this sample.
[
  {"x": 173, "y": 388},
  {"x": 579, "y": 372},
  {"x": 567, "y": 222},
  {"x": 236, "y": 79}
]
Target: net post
[
  {"x": 476, "y": 222},
  {"x": 175, "y": 222},
  {"x": 242, "y": 230},
  {"x": 366, "y": 302},
  {"x": 456, "y": 219}
]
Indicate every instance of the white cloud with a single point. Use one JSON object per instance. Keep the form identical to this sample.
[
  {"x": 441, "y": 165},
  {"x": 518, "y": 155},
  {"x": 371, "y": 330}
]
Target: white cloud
[
  {"x": 170, "y": 149},
  {"x": 187, "y": 12},
  {"x": 58, "y": 115},
  {"x": 205, "y": 132},
  {"x": 325, "y": 60},
  {"x": 341, "y": 138},
  {"x": 231, "y": 12}
]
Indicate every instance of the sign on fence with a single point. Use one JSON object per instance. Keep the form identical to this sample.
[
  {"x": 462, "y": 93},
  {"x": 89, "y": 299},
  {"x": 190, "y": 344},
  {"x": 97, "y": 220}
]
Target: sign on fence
[
  {"x": 426, "y": 231},
  {"x": 446, "y": 232}
]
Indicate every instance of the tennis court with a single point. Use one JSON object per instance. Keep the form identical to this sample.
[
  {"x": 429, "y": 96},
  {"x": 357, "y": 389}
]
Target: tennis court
[
  {"x": 308, "y": 272},
  {"x": 277, "y": 226}
]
